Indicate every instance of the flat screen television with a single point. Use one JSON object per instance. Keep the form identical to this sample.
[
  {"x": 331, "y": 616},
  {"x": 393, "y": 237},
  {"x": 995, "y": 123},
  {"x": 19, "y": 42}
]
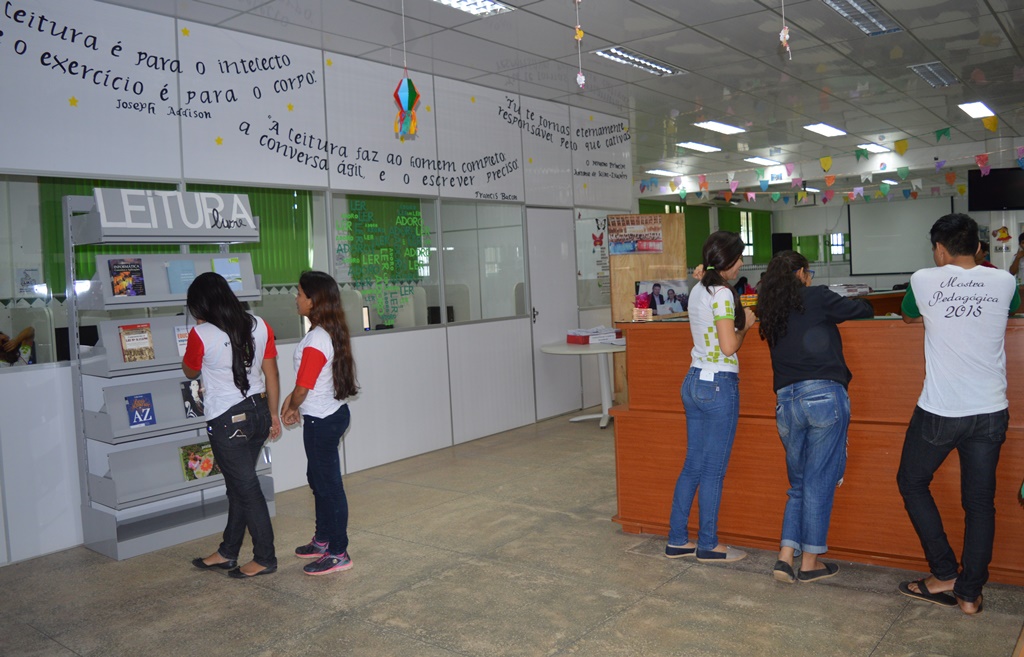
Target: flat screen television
[{"x": 1001, "y": 189}]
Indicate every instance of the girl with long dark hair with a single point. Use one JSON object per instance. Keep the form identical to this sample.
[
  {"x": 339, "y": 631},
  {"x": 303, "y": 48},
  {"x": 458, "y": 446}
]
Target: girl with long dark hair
[
  {"x": 325, "y": 378},
  {"x": 812, "y": 410},
  {"x": 235, "y": 353},
  {"x": 711, "y": 398}
]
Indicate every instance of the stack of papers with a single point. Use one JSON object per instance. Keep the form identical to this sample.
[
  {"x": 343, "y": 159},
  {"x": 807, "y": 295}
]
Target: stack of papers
[{"x": 850, "y": 289}]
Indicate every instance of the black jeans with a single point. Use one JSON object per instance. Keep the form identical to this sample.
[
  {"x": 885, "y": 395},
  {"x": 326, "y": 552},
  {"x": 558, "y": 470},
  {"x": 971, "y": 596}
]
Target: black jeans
[
  {"x": 237, "y": 437},
  {"x": 977, "y": 440},
  {"x": 321, "y": 437}
]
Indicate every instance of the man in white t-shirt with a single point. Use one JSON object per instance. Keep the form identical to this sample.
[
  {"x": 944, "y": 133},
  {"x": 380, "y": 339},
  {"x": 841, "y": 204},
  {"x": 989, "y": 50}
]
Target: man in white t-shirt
[{"x": 963, "y": 406}]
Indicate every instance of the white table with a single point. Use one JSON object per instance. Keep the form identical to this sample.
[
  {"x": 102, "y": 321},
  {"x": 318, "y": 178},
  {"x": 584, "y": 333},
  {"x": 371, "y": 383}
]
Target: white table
[{"x": 604, "y": 363}]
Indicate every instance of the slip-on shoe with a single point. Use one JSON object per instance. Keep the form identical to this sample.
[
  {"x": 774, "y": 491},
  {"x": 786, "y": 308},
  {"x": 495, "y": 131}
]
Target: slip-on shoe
[
  {"x": 223, "y": 565},
  {"x": 238, "y": 574}
]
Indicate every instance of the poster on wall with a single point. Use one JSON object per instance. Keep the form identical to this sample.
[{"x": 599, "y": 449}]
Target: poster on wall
[
  {"x": 369, "y": 155},
  {"x": 547, "y": 150},
  {"x": 593, "y": 286},
  {"x": 252, "y": 109},
  {"x": 481, "y": 152},
  {"x": 634, "y": 233},
  {"x": 602, "y": 164},
  {"x": 84, "y": 79}
]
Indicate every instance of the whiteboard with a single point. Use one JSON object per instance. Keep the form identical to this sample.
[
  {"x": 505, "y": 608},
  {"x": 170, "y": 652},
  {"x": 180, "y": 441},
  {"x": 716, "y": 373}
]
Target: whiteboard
[
  {"x": 486, "y": 150},
  {"x": 253, "y": 109},
  {"x": 361, "y": 113},
  {"x": 90, "y": 103},
  {"x": 547, "y": 154},
  {"x": 892, "y": 237},
  {"x": 601, "y": 160}
]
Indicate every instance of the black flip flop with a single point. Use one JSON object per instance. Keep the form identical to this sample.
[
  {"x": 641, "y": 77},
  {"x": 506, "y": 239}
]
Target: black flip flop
[{"x": 922, "y": 593}]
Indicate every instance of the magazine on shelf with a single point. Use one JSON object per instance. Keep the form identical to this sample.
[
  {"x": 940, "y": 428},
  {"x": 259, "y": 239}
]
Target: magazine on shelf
[
  {"x": 197, "y": 461},
  {"x": 136, "y": 342},
  {"x": 140, "y": 410},
  {"x": 192, "y": 396},
  {"x": 231, "y": 270},
  {"x": 126, "y": 277},
  {"x": 180, "y": 274},
  {"x": 181, "y": 337}
]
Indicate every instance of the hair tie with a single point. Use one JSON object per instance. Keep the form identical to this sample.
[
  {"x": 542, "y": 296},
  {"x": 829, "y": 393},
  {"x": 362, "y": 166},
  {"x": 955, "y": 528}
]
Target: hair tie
[{"x": 709, "y": 268}]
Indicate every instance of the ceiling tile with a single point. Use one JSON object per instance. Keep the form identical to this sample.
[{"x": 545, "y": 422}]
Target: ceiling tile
[
  {"x": 757, "y": 34},
  {"x": 614, "y": 21},
  {"x": 532, "y": 33}
]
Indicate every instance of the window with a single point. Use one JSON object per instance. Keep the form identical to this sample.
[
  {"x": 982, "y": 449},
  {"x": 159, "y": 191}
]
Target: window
[
  {"x": 839, "y": 246},
  {"x": 747, "y": 232}
]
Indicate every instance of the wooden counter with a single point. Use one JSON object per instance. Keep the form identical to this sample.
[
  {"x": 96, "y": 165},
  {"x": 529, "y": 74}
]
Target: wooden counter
[{"x": 869, "y": 523}]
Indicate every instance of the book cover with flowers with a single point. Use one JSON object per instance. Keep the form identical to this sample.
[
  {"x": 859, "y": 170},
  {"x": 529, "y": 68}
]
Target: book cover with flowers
[{"x": 197, "y": 461}]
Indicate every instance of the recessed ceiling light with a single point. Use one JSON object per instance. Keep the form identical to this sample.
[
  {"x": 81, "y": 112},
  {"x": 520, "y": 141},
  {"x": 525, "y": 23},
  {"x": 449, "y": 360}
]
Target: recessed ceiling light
[
  {"x": 663, "y": 172},
  {"x": 694, "y": 146},
  {"x": 866, "y": 15},
  {"x": 873, "y": 148},
  {"x": 825, "y": 130},
  {"x": 719, "y": 127},
  {"x": 763, "y": 161},
  {"x": 976, "y": 110},
  {"x": 890, "y": 182},
  {"x": 812, "y": 190},
  {"x": 935, "y": 74},
  {"x": 639, "y": 60},
  {"x": 478, "y": 8}
]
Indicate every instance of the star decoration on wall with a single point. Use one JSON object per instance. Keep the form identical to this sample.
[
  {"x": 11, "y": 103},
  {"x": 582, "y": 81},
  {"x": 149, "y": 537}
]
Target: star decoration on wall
[
  {"x": 184, "y": 31},
  {"x": 219, "y": 140},
  {"x": 73, "y": 101},
  {"x": 290, "y": 107},
  {"x": 330, "y": 62}
]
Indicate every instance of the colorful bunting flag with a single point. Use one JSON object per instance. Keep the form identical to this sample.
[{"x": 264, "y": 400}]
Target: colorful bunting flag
[
  {"x": 866, "y": 177},
  {"x": 751, "y": 196},
  {"x": 991, "y": 123},
  {"x": 879, "y": 194},
  {"x": 800, "y": 197},
  {"x": 903, "y": 172},
  {"x": 858, "y": 191},
  {"x": 829, "y": 180},
  {"x": 961, "y": 189},
  {"x": 906, "y": 193},
  {"x": 913, "y": 195},
  {"x": 951, "y": 177},
  {"x": 764, "y": 185},
  {"x": 785, "y": 200},
  {"x": 851, "y": 195},
  {"x": 826, "y": 163},
  {"x": 901, "y": 146},
  {"x": 682, "y": 194},
  {"x": 939, "y": 134},
  {"x": 729, "y": 176},
  {"x": 797, "y": 182},
  {"x": 916, "y": 183},
  {"x": 936, "y": 191},
  {"x": 985, "y": 169},
  {"x": 884, "y": 188},
  {"x": 1020, "y": 152},
  {"x": 699, "y": 194},
  {"x": 727, "y": 196},
  {"x": 733, "y": 185},
  {"x": 1020, "y": 162},
  {"x": 790, "y": 166},
  {"x": 939, "y": 164},
  {"x": 760, "y": 173},
  {"x": 775, "y": 197},
  {"x": 672, "y": 185},
  {"x": 861, "y": 152},
  {"x": 829, "y": 194},
  {"x": 981, "y": 160}
]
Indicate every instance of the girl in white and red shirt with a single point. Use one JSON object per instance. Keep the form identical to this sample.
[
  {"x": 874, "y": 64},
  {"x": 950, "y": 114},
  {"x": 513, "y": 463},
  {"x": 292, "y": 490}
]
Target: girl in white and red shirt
[
  {"x": 326, "y": 377},
  {"x": 235, "y": 353}
]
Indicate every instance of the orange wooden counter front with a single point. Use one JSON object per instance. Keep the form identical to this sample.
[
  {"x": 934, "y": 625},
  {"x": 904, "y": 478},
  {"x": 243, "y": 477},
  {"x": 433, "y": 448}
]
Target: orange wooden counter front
[{"x": 869, "y": 523}]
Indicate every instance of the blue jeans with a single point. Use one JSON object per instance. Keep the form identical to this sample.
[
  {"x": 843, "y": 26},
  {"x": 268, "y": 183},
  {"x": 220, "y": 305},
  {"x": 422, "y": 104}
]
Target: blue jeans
[
  {"x": 812, "y": 418},
  {"x": 237, "y": 437},
  {"x": 978, "y": 440},
  {"x": 321, "y": 437},
  {"x": 712, "y": 412}
]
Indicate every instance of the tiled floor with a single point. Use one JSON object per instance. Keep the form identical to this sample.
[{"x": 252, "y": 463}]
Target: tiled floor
[{"x": 503, "y": 546}]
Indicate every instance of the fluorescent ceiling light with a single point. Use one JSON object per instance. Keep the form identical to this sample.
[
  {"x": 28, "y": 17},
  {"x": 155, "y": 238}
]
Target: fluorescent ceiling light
[
  {"x": 935, "y": 74},
  {"x": 890, "y": 182},
  {"x": 694, "y": 146},
  {"x": 663, "y": 172},
  {"x": 866, "y": 15},
  {"x": 812, "y": 190},
  {"x": 873, "y": 148},
  {"x": 478, "y": 8},
  {"x": 763, "y": 161},
  {"x": 719, "y": 127},
  {"x": 639, "y": 60},
  {"x": 825, "y": 130},
  {"x": 976, "y": 110}
]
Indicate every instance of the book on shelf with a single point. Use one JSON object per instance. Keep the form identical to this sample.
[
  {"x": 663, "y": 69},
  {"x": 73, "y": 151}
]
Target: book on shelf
[
  {"x": 181, "y": 337},
  {"x": 140, "y": 410},
  {"x": 126, "y": 277},
  {"x": 231, "y": 270},
  {"x": 192, "y": 396},
  {"x": 197, "y": 461},
  {"x": 180, "y": 274},
  {"x": 136, "y": 342}
]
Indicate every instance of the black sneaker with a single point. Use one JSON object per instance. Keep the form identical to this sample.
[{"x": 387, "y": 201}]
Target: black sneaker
[
  {"x": 312, "y": 550},
  {"x": 328, "y": 563}
]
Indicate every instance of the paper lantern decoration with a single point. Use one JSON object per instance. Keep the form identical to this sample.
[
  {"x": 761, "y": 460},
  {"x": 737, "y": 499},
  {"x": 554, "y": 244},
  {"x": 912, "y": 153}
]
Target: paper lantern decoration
[
  {"x": 406, "y": 96},
  {"x": 784, "y": 39}
]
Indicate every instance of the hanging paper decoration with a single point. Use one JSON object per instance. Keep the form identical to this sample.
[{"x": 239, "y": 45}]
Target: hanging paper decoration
[
  {"x": 727, "y": 196},
  {"x": 939, "y": 134},
  {"x": 764, "y": 185},
  {"x": 879, "y": 194},
  {"x": 672, "y": 185},
  {"x": 682, "y": 194},
  {"x": 828, "y": 195},
  {"x": 699, "y": 194},
  {"x": 906, "y": 193},
  {"x": 826, "y": 163},
  {"x": 916, "y": 183},
  {"x": 936, "y": 191},
  {"x": 800, "y": 197},
  {"x": 858, "y": 191},
  {"x": 861, "y": 152},
  {"x": 406, "y": 96},
  {"x": 951, "y": 177},
  {"x": 785, "y": 199},
  {"x": 981, "y": 160},
  {"x": 866, "y": 177},
  {"x": 913, "y": 195},
  {"x": 732, "y": 174},
  {"x": 578, "y": 35},
  {"x": 1020, "y": 162},
  {"x": 961, "y": 189},
  {"x": 733, "y": 185},
  {"x": 775, "y": 197},
  {"x": 991, "y": 123},
  {"x": 903, "y": 172},
  {"x": 830, "y": 180},
  {"x": 851, "y": 196},
  {"x": 751, "y": 196},
  {"x": 797, "y": 182},
  {"x": 939, "y": 165},
  {"x": 790, "y": 167},
  {"x": 760, "y": 173},
  {"x": 1020, "y": 152},
  {"x": 901, "y": 146},
  {"x": 784, "y": 34},
  {"x": 985, "y": 170},
  {"x": 703, "y": 181},
  {"x": 884, "y": 188}
]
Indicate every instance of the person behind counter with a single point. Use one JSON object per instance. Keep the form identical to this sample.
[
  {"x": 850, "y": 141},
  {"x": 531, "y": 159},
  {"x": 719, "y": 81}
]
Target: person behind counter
[
  {"x": 236, "y": 354},
  {"x": 710, "y": 394},
  {"x": 19, "y": 350},
  {"x": 963, "y": 406},
  {"x": 325, "y": 379},
  {"x": 812, "y": 411}
]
